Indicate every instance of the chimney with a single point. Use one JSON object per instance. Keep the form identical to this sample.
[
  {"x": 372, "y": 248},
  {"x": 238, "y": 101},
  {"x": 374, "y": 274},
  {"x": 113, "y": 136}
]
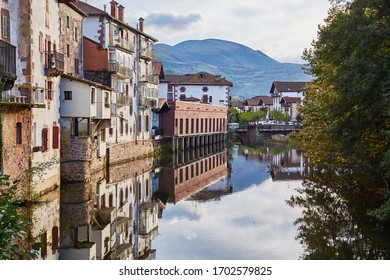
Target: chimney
[
  {"x": 141, "y": 24},
  {"x": 121, "y": 13},
  {"x": 114, "y": 9}
]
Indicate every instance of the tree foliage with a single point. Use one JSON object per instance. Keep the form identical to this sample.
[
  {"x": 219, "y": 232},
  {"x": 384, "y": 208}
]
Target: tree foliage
[
  {"x": 13, "y": 223},
  {"x": 279, "y": 116},
  {"x": 248, "y": 117},
  {"x": 346, "y": 112}
]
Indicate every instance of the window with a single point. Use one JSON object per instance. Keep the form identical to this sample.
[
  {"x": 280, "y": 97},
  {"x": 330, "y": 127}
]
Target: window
[
  {"x": 60, "y": 23},
  {"x": 67, "y": 50},
  {"x": 121, "y": 124},
  {"x": 182, "y": 89},
  {"x": 45, "y": 138},
  {"x": 210, "y": 99},
  {"x": 75, "y": 34},
  {"x": 47, "y": 15},
  {"x": 147, "y": 123},
  {"x": 49, "y": 90},
  {"x": 56, "y": 136},
  {"x": 103, "y": 135},
  {"x": 18, "y": 133},
  {"x": 68, "y": 95},
  {"x": 205, "y": 89},
  {"x": 41, "y": 43},
  {"x": 93, "y": 95},
  {"x": 5, "y": 24},
  {"x": 67, "y": 21},
  {"x": 76, "y": 66}
]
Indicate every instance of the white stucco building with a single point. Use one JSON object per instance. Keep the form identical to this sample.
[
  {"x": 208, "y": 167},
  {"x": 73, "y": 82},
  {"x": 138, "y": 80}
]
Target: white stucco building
[{"x": 202, "y": 87}]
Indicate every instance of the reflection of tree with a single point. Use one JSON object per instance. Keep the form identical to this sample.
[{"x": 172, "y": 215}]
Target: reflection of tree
[{"x": 335, "y": 224}]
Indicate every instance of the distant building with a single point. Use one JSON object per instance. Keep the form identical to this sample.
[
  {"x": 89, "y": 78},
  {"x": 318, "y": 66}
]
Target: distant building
[
  {"x": 239, "y": 105},
  {"x": 289, "y": 89},
  {"x": 190, "y": 124},
  {"x": 203, "y": 86}
]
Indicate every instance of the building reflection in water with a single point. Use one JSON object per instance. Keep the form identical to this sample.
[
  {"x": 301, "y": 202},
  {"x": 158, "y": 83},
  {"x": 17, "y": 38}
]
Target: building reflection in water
[
  {"x": 115, "y": 214},
  {"x": 195, "y": 174},
  {"x": 44, "y": 232},
  {"x": 285, "y": 164},
  {"x": 111, "y": 217}
]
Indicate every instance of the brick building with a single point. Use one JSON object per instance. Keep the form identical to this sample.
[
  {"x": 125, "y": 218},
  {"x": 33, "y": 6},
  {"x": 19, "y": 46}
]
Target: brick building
[
  {"x": 193, "y": 124},
  {"x": 185, "y": 179}
]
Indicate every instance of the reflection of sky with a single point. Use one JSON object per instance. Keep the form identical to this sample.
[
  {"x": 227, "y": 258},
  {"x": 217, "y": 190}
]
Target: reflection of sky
[
  {"x": 253, "y": 224},
  {"x": 246, "y": 173}
]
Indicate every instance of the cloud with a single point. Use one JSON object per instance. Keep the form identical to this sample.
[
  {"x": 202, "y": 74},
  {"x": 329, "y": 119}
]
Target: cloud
[{"x": 172, "y": 20}]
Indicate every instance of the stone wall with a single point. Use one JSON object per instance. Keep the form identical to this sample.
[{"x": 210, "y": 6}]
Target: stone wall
[
  {"x": 79, "y": 159},
  {"x": 16, "y": 157},
  {"x": 125, "y": 152}
]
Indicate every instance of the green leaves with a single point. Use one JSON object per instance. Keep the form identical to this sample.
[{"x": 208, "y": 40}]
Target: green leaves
[
  {"x": 13, "y": 223},
  {"x": 350, "y": 61}
]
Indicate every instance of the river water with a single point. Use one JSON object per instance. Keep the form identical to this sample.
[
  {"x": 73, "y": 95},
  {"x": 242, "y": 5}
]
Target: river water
[{"x": 212, "y": 203}]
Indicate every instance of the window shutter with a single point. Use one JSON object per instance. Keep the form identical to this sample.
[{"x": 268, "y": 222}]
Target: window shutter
[
  {"x": 56, "y": 135},
  {"x": 44, "y": 139}
]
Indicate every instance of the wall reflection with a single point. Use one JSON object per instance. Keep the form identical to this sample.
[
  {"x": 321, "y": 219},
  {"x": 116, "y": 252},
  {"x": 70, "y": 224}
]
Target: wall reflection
[{"x": 115, "y": 215}]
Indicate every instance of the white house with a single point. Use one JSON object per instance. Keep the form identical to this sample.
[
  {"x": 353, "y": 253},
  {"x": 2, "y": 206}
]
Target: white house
[
  {"x": 85, "y": 109},
  {"x": 287, "y": 96},
  {"x": 207, "y": 88}
]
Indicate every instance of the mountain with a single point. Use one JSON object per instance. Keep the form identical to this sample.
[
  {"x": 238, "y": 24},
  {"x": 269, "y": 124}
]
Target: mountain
[{"x": 251, "y": 71}]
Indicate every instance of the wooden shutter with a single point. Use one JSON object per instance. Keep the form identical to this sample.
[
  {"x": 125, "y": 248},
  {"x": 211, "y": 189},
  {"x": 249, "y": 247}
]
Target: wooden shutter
[
  {"x": 56, "y": 135},
  {"x": 45, "y": 138}
]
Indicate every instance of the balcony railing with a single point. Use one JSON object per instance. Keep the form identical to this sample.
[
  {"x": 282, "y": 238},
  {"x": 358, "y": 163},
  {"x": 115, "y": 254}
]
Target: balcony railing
[
  {"x": 149, "y": 79},
  {"x": 54, "y": 64},
  {"x": 8, "y": 61},
  {"x": 122, "y": 42},
  {"x": 115, "y": 66},
  {"x": 27, "y": 96},
  {"x": 123, "y": 100},
  {"x": 148, "y": 54}
]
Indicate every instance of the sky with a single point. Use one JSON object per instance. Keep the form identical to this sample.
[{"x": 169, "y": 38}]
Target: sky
[{"x": 281, "y": 29}]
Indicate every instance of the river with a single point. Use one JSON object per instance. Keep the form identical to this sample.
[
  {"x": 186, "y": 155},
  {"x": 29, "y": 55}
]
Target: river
[{"x": 214, "y": 203}]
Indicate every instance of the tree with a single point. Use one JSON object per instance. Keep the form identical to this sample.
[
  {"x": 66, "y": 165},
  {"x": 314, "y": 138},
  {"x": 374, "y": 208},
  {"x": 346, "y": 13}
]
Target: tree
[
  {"x": 347, "y": 109},
  {"x": 13, "y": 223},
  {"x": 248, "y": 117},
  {"x": 234, "y": 113},
  {"x": 279, "y": 116}
]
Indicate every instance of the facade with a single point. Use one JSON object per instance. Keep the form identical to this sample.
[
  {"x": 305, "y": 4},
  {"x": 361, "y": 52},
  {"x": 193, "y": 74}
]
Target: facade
[
  {"x": 202, "y": 86},
  {"x": 286, "y": 89},
  {"x": 119, "y": 56},
  {"x": 191, "y": 124},
  {"x": 290, "y": 105},
  {"x": 33, "y": 93},
  {"x": 259, "y": 103}
]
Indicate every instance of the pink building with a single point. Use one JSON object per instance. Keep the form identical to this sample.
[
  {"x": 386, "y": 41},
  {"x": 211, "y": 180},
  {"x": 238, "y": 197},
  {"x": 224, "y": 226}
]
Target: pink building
[{"x": 193, "y": 124}]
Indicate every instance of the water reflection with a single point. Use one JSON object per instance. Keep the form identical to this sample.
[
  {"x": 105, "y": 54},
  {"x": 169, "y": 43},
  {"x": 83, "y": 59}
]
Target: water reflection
[
  {"x": 44, "y": 233},
  {"x": 112, "y": 217},
  {"x": 238, "y": 214},
  {"x": 210, "y": 203},
  {"x": 335, "y": 224}
]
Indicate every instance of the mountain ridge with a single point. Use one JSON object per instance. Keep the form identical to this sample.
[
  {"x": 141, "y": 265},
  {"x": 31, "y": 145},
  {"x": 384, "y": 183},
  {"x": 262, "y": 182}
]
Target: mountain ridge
[{"x": 251, "y": 71}]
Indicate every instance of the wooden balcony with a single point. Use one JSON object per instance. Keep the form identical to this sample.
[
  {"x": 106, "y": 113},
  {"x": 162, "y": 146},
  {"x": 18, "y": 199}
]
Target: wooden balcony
[
  {"x": 24, "y": 97},
  {"x": 54, "y": 64},
  {"x": 115, "y": 66},
  {"x": 117, "y": 41},
  {"x": 148, "y": 54},
  {"x": 7, "y": 65}
]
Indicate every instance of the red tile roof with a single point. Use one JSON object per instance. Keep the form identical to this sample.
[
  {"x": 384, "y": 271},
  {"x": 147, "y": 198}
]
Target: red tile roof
[
  {"x": 287, "y": 86},
  {"x": 200, "y": 78},
  {"x": 88, "y": 9},
  {"x": 259, "y": 101}
]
